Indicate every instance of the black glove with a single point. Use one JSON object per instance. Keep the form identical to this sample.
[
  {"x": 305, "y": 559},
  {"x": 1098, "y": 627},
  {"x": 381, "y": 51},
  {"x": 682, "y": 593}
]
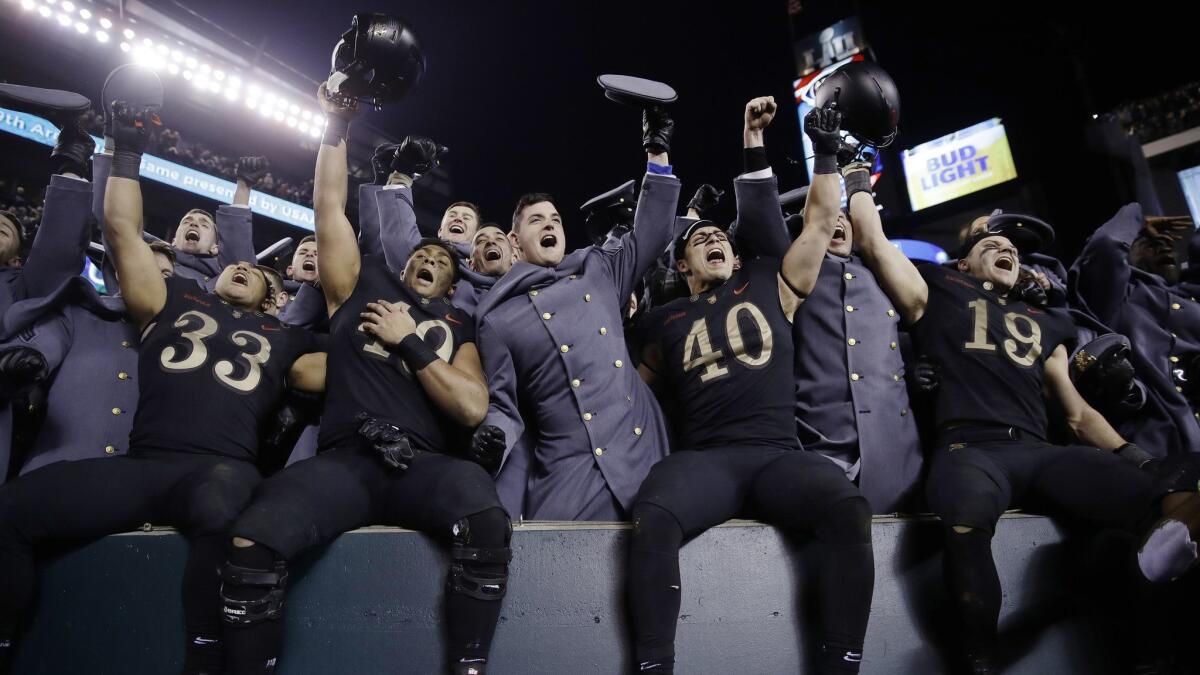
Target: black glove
[
  {"x": 487, "y": 447},
  {"x": 657, "y": 129},
  {"x": 20, "y": 369},
  {"x": 73, "y": 151},
  {"x": 250, "y": 170},
  {"x": 417, "y": 155},
  {"x": 388, "y": 441},
  {"x": 130, "y": 128},
  {"x": 823, "y": 126},
  {"x": 381, "y": 162},
  {"x": 706, "y": 197},
  {"x": 1029, "y": 291},
  {"x": 926, "y": 375}
]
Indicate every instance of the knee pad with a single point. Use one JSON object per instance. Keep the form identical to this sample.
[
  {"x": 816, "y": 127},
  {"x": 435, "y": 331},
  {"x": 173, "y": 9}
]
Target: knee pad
[
  {"x": 250, "y": 596},
  {"x": 479, "y": 555}
]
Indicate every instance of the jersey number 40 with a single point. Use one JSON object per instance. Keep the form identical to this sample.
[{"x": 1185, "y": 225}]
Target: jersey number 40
[{"x": 698, "y": 351}]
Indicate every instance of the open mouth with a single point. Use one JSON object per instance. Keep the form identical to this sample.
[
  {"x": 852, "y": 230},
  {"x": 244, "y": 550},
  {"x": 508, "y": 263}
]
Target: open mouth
[
  {"x": 457, "y": 228},
  {"x": 839, "y": 234},
  {"x": 309, "y": 266},
  {"x": 548, "y": 241},
  {"x": 241, "y": 278},
  {"x": 715, "y": 256},
  {"x": 1005, "y": 264},
  {"x": 492, "y": 254},
  {"x": 192, "y": 235},
  {"x": 425, "y": 275}
]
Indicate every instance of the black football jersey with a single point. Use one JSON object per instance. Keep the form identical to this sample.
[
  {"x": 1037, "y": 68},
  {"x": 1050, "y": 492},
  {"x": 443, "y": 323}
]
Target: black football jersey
[
  {"x": 727, "y": 358},
  {"x": 364, "y": 376},
  {"x": 992, "y": 351},
  {"x": 209, "y": 373}
]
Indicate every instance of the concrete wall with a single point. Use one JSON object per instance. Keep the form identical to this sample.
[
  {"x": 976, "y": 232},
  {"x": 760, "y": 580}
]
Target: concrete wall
[{"x": 370, "y": 603}]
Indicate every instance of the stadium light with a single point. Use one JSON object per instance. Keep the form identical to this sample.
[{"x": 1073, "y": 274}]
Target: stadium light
[{"x": 101, "y": 37}]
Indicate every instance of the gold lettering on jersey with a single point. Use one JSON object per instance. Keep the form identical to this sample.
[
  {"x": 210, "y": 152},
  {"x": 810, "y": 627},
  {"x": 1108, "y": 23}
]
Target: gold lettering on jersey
[
  {"x": 1031, "y": 337},
  {"x": 697, "y": 338},
  {"x": 222, "y": 369},
  {"x": 979, "y": 337},
  {"x": 733, "y": 331},
  {"x": 198, "y": 353},
  {"x": 1021, "y": 330},
  {"x": 710, "y": 359}
]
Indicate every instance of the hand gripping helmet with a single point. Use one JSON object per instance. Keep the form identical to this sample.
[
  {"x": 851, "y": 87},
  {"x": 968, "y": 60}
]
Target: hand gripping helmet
[
  {"x": 377, "y": 61},
  {"x": 868, "y": 100}
]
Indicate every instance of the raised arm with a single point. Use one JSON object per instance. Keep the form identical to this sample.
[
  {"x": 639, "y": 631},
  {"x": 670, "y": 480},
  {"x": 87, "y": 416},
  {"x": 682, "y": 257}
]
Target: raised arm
[
  {"x": 761, "y": 229},
  {"x": 338, "y": 261},
  {"x": 802, "y": 262},
  {"x": 142, "y": 285},
  {"x": 235, "y": 223},
  {"x": 654, "y": 222},
  {"x": 897, "y": 275}
]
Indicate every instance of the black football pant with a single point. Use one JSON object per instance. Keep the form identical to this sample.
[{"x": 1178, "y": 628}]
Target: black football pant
[
  {"x": 799, "y": 491},
  {"x": 313, "y": 501},
  {"x": 83, "y": 500}
]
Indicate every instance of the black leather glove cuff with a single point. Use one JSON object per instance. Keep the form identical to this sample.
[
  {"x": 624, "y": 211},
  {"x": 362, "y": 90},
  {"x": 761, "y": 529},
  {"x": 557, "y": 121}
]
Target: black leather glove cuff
[
  {"x": 824, "y": 164},
  {"x": 1134, "y": 454},
  {"x": 416, "y": 352},
  {"x": 754, "y": 159},
  {"x": 857, "y": 181},
  {"x": 337, "y": 129},
  {"x": 126, "y": 164}
]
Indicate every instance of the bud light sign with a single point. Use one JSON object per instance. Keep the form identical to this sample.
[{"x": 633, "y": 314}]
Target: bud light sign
[{"x": 966, "y": 161}]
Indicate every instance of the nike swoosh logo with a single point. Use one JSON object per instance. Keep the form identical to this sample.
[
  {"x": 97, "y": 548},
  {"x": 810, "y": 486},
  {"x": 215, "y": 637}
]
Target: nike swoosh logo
[
  {"x": 204, "y": 641},
  {"x": 269, "y": 328},
  {"x": 452, "y": 320},
  {"x": 739, "y": 291}
]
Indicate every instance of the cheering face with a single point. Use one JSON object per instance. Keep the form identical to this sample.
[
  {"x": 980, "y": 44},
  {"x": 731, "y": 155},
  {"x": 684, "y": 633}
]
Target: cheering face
[
  {"x": 708, "y": 258},
  {"x": 10, "y": 243},
  {"x": 196, "y": 234},
  {"x": 843, "y": 237},
  {"x": 1155, "y": 253},
  {"x": 539, "y": 237},
  {"x": 304, "y": 263},
  {"x": 242, "y": 285},
  {"x": 492, "y": 253},
  {"x": 429, "y": 272},
  {"x": 993, "y": 259},
  {"x": 458, "y": 224}
]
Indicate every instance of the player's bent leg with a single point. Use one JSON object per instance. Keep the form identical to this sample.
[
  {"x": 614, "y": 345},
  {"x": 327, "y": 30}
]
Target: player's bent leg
[
  {"x": 206, "y": 503},
  {"x": 475, "y": 586},
  {"x": 653, "y": 586}
]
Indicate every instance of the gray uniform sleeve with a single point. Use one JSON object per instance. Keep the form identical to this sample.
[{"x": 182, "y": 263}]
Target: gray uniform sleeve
[
  {"x": 57, "y": 251},
  {"x": 761, "y": 229},
  {"x": 398, "y": 233},
  {"x": 1101, "y": 272},
  {"x": 235, "y": 236},
  {"x": 502, "y": 386},
  {"x": 368, "y": 219},
  {"x": 654, "y": 227}
]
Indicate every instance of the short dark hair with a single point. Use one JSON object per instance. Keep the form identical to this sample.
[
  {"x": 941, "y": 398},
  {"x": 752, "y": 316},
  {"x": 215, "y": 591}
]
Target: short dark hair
[
  {"x": 470, "y": 205},
  {"x": 306, "y": 239},
  {"x": 445, "y": 246},
  {"x": 165, "y": 249},
  {"x": 526, "y": 201},
  {"x": 201, "y": 212}
]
